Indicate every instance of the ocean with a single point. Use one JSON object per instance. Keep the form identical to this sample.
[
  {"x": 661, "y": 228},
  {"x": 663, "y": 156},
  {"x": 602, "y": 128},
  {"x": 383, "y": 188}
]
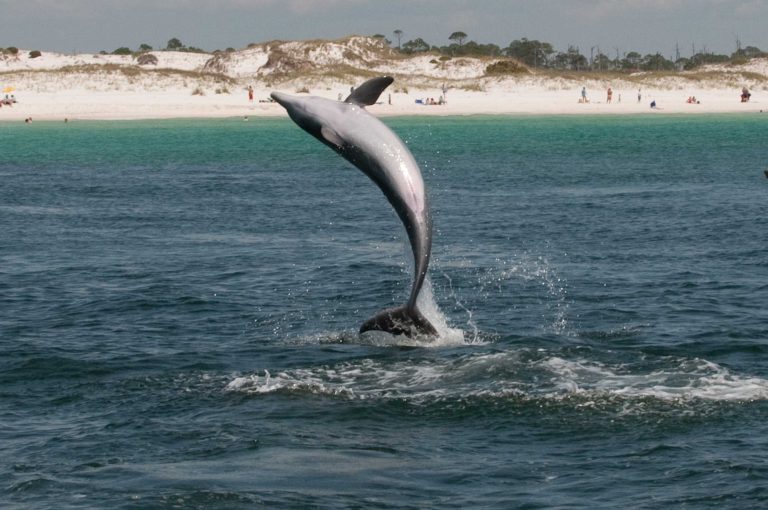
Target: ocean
[{"x": 180, "y": 300}]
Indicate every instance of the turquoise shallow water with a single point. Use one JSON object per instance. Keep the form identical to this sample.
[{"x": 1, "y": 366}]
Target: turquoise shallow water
[{"x": 179, "y": 303}]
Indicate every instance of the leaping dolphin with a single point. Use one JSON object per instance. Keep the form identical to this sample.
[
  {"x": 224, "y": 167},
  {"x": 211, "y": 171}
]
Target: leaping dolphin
[{"x": 367, "y": 143}]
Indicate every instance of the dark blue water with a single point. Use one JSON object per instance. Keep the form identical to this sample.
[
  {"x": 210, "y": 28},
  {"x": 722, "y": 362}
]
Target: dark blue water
[{"x": 179, "y": 303}]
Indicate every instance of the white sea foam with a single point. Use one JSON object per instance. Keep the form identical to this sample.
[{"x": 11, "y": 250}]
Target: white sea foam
[
  {"x": 521, "y": 374},
  {"x": 679, "y": 379}
]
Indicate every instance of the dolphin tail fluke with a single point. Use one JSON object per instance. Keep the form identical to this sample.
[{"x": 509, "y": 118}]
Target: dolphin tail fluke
[{"x": 400, "y": 321}]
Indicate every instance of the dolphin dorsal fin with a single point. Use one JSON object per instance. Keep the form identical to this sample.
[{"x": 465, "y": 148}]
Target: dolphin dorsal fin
[{"x": 369, "y": 92}]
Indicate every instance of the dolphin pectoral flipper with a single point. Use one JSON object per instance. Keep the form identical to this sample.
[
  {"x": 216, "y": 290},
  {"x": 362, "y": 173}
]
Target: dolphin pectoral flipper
[
  {"x": 369, "y": 92},
  {"x": 400, "y": 321},
  {"x": 331, "y": 136}
]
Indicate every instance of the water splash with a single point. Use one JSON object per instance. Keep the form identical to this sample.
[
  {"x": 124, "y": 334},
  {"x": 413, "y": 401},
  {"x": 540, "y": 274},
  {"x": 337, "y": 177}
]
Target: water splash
[
  {"x": 537, "y": 271},
  {"x": 459, "y": 303},
  {"x": 446, "y": 334},
  {"x": 529, "y": 286}
]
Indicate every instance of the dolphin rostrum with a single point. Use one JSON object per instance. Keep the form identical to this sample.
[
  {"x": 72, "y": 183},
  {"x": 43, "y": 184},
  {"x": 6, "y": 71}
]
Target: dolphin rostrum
[{"x": 367, "y": 143}]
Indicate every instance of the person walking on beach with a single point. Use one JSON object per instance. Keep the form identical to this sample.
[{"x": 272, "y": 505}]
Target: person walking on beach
[
  {"x": 583, "y": 94},
  {"x": 610, "y": 95},
  {"x": 639, "y": 96},
  {"x": 250, "y": 93}
]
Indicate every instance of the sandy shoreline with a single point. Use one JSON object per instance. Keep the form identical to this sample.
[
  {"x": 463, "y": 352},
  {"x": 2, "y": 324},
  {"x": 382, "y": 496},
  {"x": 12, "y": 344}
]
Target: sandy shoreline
[
  {"x": 55, "y": 87},
  {"x": 124, "y": 105}
]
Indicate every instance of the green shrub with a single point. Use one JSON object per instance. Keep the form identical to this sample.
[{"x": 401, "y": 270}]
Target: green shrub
[
  {"x": 505, "y": 67},
  {"x": 35, "y": 54},
  {"x": 146, "y": 59},
  {"x": 174, "y": 44}
]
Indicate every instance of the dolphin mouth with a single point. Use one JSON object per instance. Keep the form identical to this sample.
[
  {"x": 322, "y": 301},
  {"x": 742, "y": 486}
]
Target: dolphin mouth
[{"x": 282, "y": 99}]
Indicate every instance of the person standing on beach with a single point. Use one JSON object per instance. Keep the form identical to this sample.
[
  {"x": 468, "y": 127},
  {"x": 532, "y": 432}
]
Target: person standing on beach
[
  {"x": 639, "y": 95},
  {"x": 250, "y": 93},
  {"x": 610, "y": 95},
  {"x": 583, "y": 94}
]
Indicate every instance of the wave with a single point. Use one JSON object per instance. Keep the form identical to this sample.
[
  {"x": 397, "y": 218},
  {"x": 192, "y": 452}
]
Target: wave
[{"x": 521, "y": 375}]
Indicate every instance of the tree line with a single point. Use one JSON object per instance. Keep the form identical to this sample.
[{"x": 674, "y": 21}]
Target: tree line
[
  {"x": 541, "y": 54},
  {"x": 174, "y": 44},
  {"x": 535, "y": 53}
]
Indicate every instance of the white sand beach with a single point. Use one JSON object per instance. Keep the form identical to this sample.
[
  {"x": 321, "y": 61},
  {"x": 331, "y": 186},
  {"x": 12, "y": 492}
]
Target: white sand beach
[
  {"x": 84, "y": 104},
  {"x": 55, "y": 87}
]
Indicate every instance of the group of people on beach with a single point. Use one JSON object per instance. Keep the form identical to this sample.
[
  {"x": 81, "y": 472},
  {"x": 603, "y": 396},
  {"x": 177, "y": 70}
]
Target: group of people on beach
[
  {"x": 430, "y": 101},
  {"x": 8, "y": 100},
  {"x": 745, "y": 95},
  {"x": 608, "y": 94}
]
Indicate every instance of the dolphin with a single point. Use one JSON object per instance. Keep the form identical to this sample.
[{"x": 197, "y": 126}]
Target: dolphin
[{"x": 363, "y": 140}]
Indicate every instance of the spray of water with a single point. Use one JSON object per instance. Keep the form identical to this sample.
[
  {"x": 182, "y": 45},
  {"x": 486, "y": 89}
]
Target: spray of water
[
  {"x": 533, "y": 272},
  {"x": 426, "y": 303},
  {"x": 446, "y": 334}
]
